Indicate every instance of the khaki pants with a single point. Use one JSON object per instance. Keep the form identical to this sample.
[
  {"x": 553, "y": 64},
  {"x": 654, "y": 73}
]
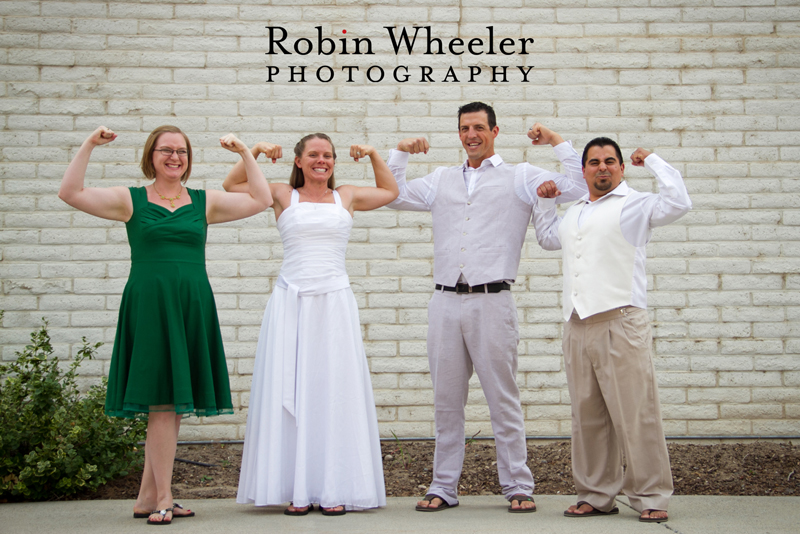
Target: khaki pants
[
  {"x": 476, "y": 330},
  {"x": 615, "y": 410}
]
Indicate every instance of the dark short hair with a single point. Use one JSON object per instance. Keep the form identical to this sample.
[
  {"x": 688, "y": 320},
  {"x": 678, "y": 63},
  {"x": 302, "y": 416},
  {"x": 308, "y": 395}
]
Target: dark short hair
[
  {"x": 296, "y": 179},
  {"x": 474, "y": 107},
  {"x": 600, "y": 141},
  {"x": 150, "y": 146}
]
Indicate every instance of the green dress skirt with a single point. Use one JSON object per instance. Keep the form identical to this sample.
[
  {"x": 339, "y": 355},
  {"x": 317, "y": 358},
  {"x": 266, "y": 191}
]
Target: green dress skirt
[{"x": 168, "y": 353}]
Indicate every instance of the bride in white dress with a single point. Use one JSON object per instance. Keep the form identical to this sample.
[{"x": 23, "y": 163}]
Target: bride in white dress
[{"x": 312, "y": 428}]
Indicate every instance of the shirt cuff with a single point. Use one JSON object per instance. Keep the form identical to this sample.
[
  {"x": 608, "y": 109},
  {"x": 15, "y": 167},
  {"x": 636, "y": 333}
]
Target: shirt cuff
[{"x": 397, "y": 158}]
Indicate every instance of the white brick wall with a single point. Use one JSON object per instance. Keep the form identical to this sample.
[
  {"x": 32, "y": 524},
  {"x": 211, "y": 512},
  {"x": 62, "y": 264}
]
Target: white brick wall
[{"x": 712, "y": 85}]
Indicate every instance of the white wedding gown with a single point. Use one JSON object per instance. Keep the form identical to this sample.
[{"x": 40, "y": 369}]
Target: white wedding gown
[{"x": 312, "y": 427}]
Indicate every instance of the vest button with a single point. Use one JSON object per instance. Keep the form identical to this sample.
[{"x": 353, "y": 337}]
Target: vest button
[
  {"x": 463, "y": 249},
  {"x": 576, "y": 275},
  {"x": 580, "y": 237},
  {"x": 469, "y": 203},
  {"x": 577, "y": 255},
  {"x": 467, "y": 218},
  {"x": 465, "y": 233},
  {"x": 575, "y": 293},
  {"x": 461, "y": 266}
]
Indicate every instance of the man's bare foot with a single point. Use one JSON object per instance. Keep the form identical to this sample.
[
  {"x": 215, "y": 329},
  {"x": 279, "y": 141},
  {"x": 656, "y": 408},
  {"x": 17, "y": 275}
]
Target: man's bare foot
[
  {"x": 522, "y": 502},
  {"x": 435, "y": 502},
  {"x": 580, "y": 510},
  {"x": 653, "y": 516},
  {"x": 584, "y": 509}
]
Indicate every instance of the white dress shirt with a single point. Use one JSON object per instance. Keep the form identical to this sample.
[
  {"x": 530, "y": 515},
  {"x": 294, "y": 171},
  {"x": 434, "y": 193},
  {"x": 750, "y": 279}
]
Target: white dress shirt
[{"x": 641, "y": 213}]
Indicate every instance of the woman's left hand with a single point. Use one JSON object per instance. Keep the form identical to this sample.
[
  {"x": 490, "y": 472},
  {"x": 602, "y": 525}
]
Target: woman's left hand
[
  {"x": 232, "y": 143},
  {"x": 360, "y": 151}
]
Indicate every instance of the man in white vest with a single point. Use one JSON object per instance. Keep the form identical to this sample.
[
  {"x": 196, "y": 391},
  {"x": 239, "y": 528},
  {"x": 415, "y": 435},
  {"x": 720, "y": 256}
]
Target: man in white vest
[
  {"x": 481, "y": 210},
  {"x": 607, "y": 338}
]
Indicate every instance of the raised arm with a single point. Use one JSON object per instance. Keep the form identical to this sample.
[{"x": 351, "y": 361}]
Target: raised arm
[
  {"x": 369, "y": 198},
  {"x": 418, "y": 194},
  {"x": 112, "y": 203},
  {"x": 644, "y": 212},
  {"x": 571, "y": 184},
  {"x": 236, "y": 181},
  {"x": 222, "y": 206},
  {"x": 545, "y": 219}
]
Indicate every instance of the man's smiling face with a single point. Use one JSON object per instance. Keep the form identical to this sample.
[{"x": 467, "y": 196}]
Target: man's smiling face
[{"x": 476, "y": 136}]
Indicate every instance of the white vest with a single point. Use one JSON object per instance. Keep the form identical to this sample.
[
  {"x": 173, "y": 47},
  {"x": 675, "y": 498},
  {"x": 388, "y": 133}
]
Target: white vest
[
  {"x": 480, "y": 235},
  {"x": 597, "y": 259}
]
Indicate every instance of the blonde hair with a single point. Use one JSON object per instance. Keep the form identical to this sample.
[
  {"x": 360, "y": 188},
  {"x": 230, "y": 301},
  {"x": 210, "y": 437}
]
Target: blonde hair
[
  {"x": 296, "y": 179},
  {"x": 150, "y": 146}
]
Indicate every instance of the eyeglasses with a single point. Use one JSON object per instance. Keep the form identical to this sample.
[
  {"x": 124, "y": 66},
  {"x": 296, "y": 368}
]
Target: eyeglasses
[{"x": 182, "y": 152}]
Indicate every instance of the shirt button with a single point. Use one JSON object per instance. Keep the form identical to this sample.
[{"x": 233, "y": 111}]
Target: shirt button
[
  {"x": 463, "y": 249},
  {"x": 461, "y": 266},
  {"x": 466, "y": 219},
  {"x": 575, "y": 293},
  {"x": 579, "y": 238},
  {"x": 577, "y": 255},
  {"x": 576, "y": 275},
  {"x": 465, "y": 233},
  {"x": 469, "y": 203}
]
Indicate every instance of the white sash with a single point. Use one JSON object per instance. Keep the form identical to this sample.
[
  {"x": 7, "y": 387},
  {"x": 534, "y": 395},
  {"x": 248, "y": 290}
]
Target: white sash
[{"x": 291, "y": 311}]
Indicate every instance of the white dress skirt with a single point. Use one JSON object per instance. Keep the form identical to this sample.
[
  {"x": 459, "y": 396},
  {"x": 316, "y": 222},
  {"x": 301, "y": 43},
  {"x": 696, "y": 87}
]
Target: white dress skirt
[{"x": 312, "y": 427}]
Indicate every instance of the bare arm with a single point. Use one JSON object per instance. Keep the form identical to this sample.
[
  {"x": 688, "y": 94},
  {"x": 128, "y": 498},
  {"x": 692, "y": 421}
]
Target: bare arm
[
  {"x": 370, "y": 198},
  {"x": 112, "y": 203},
  {"x": 236, "y": 181},
  {"x": 222, "y": 206}
]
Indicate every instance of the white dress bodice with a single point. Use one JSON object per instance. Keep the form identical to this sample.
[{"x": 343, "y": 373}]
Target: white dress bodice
[{"x": 314, "y": 239}]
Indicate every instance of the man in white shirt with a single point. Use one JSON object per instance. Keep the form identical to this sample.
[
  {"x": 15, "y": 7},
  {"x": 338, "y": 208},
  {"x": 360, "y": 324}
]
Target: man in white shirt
[
  {"x": 607, "y": 338},
  {"x": 481, "y": 210}
]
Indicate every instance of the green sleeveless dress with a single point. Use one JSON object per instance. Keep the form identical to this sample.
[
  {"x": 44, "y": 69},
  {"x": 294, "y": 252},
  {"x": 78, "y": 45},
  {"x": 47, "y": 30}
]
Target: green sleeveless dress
[{"x": 168, "y": 353}]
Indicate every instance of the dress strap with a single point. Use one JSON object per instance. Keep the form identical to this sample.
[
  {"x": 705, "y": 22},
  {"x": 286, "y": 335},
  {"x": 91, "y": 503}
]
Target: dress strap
[
  {"x": 295, "y": 197},
  {"x": 337, "y": 198}
]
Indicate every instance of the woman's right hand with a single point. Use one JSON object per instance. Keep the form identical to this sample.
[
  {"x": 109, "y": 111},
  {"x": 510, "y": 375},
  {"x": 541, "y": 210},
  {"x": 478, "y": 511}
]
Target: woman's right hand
[
  {"x": 273, "y": 152},
  {"x": 101, "y": 136}
]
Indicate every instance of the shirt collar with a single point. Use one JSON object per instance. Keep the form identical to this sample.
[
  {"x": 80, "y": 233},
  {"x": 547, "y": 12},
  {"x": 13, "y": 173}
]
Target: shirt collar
[
  {"x": 621, "y": 190},
  {"x": 495, "y": 161}
]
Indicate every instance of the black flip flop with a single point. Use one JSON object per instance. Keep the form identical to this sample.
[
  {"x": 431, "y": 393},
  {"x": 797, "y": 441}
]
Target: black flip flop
[
  {"x": 333, "y": 512},
  {"x": 653, "y": 519},
  {"x": 521, "y": 497},
  {"x": 299, "y": 512},
  {"x": 145, "y": 515},
  {"x": 163, "y": 514},
  {"x": 595, "y": 512},
  {"x": 429, "y": 498}
]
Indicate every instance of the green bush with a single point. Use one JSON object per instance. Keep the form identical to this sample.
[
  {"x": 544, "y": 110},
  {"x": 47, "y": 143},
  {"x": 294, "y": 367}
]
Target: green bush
[{"x": 54, "y": 441}]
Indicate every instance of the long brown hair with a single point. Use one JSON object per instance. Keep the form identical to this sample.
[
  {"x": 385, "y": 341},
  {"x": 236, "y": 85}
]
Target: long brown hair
[
  {"x": 296, "y": 179},
  {"x": 150, "y": 146}
]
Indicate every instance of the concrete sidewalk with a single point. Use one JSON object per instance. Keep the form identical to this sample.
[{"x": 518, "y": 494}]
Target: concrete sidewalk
[{"x": 690, "y": 515}]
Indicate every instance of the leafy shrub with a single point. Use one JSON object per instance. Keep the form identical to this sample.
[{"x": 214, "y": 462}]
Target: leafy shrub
[{"x": 54, "y": 441}]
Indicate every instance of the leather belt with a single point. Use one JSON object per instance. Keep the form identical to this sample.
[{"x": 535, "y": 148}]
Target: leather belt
[{"x": 497, "y": 287}]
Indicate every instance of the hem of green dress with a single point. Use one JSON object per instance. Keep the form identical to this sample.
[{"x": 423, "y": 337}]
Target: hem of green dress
[{"x": 131, "y": 411}]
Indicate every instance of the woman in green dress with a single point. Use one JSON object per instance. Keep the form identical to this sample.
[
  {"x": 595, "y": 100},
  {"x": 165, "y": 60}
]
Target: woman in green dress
[{"x": 168, "y": 359}]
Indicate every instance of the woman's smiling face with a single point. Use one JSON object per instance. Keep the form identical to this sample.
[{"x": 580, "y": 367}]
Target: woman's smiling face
[{"x": 317, "y": 160}]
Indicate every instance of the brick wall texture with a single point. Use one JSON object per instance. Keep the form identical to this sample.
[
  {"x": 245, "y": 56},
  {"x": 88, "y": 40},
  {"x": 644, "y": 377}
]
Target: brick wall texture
[{"x": 710, "y": 85}]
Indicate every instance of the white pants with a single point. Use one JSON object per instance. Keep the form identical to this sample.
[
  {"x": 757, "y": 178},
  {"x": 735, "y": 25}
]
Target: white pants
[{"x": 476, "y": 330}]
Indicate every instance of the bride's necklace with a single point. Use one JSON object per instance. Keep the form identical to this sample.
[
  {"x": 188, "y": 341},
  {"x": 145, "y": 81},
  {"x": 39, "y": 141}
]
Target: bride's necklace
[
  {"x": 171, "y": 200},
  {"x": 318, "y": 198}
]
